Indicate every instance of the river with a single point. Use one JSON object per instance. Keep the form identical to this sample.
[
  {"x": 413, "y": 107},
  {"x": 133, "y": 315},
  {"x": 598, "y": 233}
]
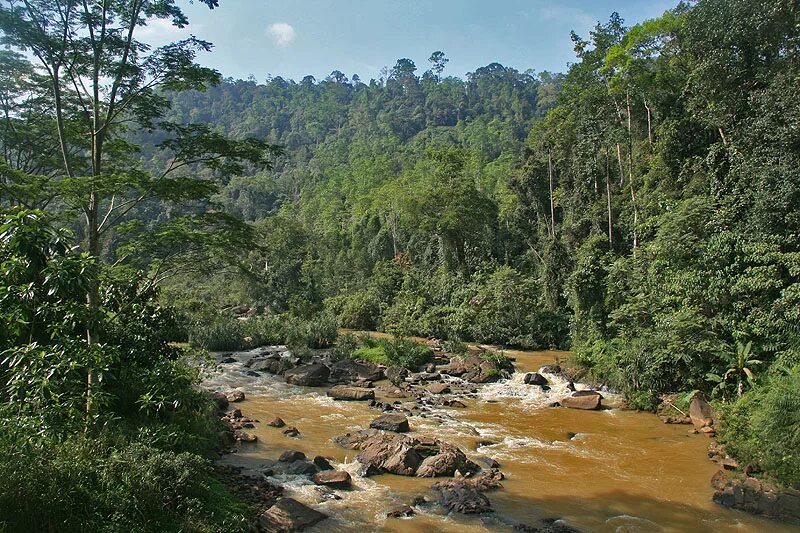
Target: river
[{"x": 606, "y": 471}]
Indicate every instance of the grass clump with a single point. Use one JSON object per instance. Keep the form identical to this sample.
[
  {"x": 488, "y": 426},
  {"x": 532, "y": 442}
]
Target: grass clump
[{"x": 391, "y": 352}]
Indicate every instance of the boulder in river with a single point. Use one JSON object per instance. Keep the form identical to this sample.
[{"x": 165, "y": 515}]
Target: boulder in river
[
  {"x": 292, "y": 432},
  {"x": 348, "y": 370},
  {"x": 406, "y": 455},
  {"x": 391, "y": 422},
  {"x": 276, "y": 422},
  {"x": 313, "y": 375},
  {"x": 341, "y": 392},
  {"x": 438, "y": 388},
  {"x": 335, "y": 479},
  {"x": 700, "y": 413},
  {"x": 292, "y": 455},
  {"x": 272, "y": 365},
  {"x": 235, "y": 396},
  {"x": 396, "y": 374},
  {"x": 243, "y": 436},
  {"x": 289, "y": 515},
  {"x": 534, "y": 378},
  {"x": 588, "y": 400},
  {"x": 404, "y": 511},
  {"x": 462, "y": 497},
  {"x": 322, "y": 463}
]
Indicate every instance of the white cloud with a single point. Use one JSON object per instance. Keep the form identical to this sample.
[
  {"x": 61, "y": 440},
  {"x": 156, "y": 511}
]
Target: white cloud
[
  {"x": 161, "y": 31},
  {"x": 281, "y": 32},
  {"x": 576, "y": 17}
]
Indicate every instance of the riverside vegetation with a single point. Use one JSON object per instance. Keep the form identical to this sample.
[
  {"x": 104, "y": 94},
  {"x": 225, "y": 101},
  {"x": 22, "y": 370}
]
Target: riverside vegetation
[{"x": 641, "y": 210}]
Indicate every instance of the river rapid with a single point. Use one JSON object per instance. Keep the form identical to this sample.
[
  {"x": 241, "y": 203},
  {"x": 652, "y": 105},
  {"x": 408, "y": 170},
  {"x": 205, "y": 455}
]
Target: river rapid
[{"x": 607, "y": 471}]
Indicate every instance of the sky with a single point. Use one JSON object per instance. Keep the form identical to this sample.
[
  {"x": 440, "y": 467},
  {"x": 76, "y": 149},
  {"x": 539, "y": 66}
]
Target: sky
[{"x": 295, "y": 38}]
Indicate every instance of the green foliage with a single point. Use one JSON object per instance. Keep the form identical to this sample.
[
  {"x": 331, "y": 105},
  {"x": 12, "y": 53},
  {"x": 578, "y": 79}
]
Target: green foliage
[
  {"x": 100, "y": 484},
  {"x": 373, "y": 355},
  {"x": 228, "y": 333},
  {"x": 394, "y": 351},
  {"x": 762, "y": 428},
  {"x": 97, "y": 436}
]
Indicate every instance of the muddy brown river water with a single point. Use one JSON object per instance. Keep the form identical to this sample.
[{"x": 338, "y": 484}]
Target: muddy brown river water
[{"x": 605, "y": 471}]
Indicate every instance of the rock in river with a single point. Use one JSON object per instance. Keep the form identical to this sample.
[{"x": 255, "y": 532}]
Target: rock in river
[
  {"x": 336, "y": 479},
  {"x": 289, "y": 515},
  {"x": 308, "y": 375},
  {"x": 405, "y": 455},
  {"x": 404, "y": 511},
  {"x": 583, "y": 399},
  {"x": 292, "y": 455},
  {"x": 461, "y": 497},
  {"x": 534, "y": 378},
  {"x": 391, "y": 422},
  {"x": 341, "y": 392},
  {"x": 235, "y": 396},
  {"x": 276, "y": 422},
  {"x": 438, "y": 388}
]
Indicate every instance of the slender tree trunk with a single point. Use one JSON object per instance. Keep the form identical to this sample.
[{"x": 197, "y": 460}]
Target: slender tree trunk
[
  {"x": 649, "y": 124},
  {"x": 630, "y": 172},
  {"x": 635, "y": 215},
  {"x": 608, "y": 201},
  {"x": 552, "y": 202},
  {"x": 722, "y": 135},
  {"x": 621, "y": 169}
]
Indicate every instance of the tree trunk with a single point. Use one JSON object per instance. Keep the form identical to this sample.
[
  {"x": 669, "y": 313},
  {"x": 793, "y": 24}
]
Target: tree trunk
[
  {"x": 649, "y": 124},
  {"x": 621, "y": 170},
  {"x": 552, "y": 203},
  {"x": 608, "y": 201}
]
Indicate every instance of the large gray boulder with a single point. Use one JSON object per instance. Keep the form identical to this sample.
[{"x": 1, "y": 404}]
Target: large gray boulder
[
  {"x": 700, "y": 413},
  {"x": 382, "y": 452},
  {"x": 352, "y": 371},
  {"x": 341, "y": 392},
  {"x": 289, "y": 515},
  {"x": 587, "y": 400},
  {"x": 462, "y": 498},
  {"x": 391, "y": 422},
  {"x": 314, "y": 375}
]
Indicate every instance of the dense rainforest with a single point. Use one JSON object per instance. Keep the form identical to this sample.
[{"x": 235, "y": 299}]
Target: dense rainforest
[{"x": 641, "y": 210}]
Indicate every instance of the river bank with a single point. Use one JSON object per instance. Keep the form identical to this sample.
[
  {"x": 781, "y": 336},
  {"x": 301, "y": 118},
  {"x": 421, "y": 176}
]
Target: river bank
[{"x": 606, "y": 470}]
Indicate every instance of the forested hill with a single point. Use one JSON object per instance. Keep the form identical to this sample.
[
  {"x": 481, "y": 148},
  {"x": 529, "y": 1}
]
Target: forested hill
[
  {"x": 641, "y": 209},
  {"x": 382, "y": 128}
]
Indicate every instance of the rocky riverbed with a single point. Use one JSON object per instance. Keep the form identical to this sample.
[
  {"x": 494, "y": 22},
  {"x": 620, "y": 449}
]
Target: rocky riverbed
[{"x": 458, "y": 446}]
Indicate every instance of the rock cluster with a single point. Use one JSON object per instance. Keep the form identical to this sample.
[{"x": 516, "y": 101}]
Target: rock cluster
[
  {"x": 382, "y": 452},
  {"x": 755, "y": 496}
]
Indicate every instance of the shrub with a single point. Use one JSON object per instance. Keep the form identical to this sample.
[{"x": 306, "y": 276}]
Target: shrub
[
  {"x": 359, "y": 310},
  {"x": 228, "y": 333},
  {"x": 102, "y": 484},
  {"x": 762, "y": 428}
]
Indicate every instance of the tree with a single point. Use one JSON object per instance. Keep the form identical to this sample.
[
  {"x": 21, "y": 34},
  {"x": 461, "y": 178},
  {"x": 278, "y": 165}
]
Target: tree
[
  {"x": 438, "y": 62},
  {"x": 101, "y": 82}
]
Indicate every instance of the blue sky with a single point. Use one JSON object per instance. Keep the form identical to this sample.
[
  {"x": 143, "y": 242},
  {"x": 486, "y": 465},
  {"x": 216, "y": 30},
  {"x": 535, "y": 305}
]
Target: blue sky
[{"x": 293, "y": 38}]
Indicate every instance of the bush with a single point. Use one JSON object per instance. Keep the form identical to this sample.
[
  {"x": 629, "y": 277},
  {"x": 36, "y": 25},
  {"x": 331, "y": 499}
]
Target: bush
[
  {"x": 103, "y": 484},
  {"x": 762, "y": 428},
  {"x": 122, "y": 451},
  {"x": 359, "y": 310},
  {"x": 228, "y": 333},
  {"x": 375, "y": 355},
  {"x": 394, "y": 351}
]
